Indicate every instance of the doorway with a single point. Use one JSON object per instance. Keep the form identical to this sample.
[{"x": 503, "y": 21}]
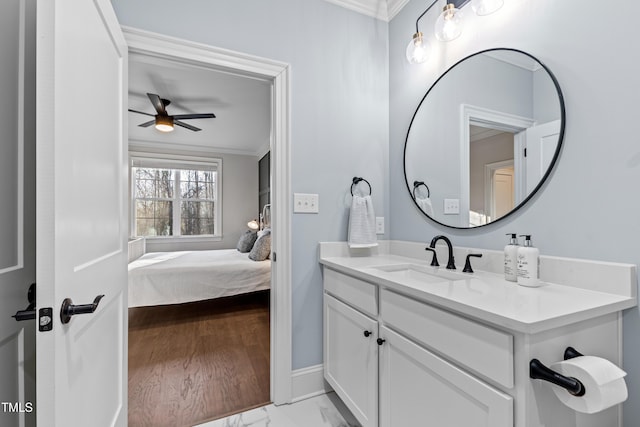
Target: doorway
[
  {"x": 505, "y": 134},
  {"x": 145, "y": 43}
]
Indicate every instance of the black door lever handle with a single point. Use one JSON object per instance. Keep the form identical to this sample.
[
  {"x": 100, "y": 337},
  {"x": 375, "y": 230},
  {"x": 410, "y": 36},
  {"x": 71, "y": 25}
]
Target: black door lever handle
[
  {"x": 28, "y": 313},
  {"x": 68, "y": 309}
]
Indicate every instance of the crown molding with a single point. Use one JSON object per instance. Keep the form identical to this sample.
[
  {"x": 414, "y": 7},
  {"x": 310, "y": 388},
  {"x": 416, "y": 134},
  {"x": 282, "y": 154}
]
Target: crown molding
[
  {"x": 374, "y": 8},
  {"x": 384, "y": 10},
  {"x": 394, "y": 7}
]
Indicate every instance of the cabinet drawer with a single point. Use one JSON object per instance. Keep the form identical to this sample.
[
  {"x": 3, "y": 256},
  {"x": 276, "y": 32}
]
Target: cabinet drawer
[
  {"x": 354, "y": 292},
  {"x": 482, "y": 349}
]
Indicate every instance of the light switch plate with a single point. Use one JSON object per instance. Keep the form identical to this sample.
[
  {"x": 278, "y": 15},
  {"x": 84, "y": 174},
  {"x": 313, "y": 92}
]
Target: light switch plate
[
  {"x": 451, "y": 206},
  {"x": 305, "y": 203},
  {"x": 379, "y": 225}
]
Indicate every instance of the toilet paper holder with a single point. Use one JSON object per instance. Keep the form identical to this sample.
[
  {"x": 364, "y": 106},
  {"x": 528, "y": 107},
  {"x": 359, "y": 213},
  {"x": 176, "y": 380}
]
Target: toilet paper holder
[{"x": 537, "y": 370}]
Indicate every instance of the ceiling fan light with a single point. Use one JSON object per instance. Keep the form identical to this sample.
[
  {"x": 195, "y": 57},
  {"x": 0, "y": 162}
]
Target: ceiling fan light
[{"x": 164, "y": 123}]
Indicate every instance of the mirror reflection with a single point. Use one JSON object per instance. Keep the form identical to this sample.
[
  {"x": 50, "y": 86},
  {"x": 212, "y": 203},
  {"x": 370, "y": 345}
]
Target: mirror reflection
[{"x": 484, "y": 138}]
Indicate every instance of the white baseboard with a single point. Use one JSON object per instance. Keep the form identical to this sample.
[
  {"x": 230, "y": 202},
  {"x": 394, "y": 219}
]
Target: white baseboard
[{"x": 308, "y": 382}]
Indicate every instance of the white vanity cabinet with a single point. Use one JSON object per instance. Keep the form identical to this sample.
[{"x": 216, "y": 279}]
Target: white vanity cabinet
[
  {"x": 447, "y": 349},
  {"x": 389, "y": 373}
]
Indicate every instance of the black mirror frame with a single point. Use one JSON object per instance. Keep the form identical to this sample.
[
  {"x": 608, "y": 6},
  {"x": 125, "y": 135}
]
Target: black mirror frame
[{"x": 552, "y": 164}]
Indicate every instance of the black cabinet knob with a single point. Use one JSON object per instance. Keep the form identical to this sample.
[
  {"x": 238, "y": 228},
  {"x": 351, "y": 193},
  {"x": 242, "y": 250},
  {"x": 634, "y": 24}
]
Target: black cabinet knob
[
  {"x": 367, "y": 333},
  {"x": 380, "y": 341}
]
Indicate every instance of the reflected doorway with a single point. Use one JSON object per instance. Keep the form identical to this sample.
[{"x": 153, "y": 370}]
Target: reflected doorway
[{"x": 492, "y": 174}]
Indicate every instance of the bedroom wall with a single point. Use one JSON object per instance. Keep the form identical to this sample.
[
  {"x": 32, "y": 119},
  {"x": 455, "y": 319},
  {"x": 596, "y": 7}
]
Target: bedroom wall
[
  {"x": 589, "y": 206},
  {"x": 239, "y": 201},
  {"x": 339, "y": 113}
]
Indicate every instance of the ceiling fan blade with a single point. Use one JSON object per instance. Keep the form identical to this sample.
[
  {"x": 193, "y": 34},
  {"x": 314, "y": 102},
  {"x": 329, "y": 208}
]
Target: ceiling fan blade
[
  {"x": 157, "y": 103},
  {"x": 141, "y": 112},
  {"x": 184, "y": 125},
  {"x": 194, "y": 116},
  {"x": 147, "y": 124}
]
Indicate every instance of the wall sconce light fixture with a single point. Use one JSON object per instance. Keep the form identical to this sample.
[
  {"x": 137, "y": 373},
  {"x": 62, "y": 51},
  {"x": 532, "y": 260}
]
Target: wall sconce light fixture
[{"x": 448, "y": 25}]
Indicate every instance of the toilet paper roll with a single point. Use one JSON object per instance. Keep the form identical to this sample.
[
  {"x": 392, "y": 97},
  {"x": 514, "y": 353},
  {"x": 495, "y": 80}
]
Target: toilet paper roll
[{"x": 603, "y": 382}]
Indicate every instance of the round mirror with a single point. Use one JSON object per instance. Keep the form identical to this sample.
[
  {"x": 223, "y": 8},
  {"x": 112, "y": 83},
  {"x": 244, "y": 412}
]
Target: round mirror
[{"x": 484, "y": 138}]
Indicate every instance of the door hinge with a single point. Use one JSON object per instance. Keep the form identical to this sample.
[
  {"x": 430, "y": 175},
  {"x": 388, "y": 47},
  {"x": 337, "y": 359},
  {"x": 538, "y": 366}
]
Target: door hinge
[
  {"x": 525, "y": 152},
  {"x": 273, "y": 256}
]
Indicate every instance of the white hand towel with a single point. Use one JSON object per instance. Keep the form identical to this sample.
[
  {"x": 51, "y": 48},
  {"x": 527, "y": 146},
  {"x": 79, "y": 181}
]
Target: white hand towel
[
  {"x": 425, "y": 205},
  {"x": 362, "y": 223}
]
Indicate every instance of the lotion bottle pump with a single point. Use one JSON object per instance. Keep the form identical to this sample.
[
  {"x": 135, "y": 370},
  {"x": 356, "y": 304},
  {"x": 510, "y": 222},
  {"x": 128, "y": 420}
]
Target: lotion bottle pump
[
  {"x": 528, "y": 264},
  {"x": 511, "y": 259}
]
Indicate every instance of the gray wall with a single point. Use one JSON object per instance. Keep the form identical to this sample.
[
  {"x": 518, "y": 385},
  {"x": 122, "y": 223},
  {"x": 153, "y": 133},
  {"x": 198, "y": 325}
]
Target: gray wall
[
  {"x": 339, "y": 113},
  {"x": 589, "y": 207},
  {"x": 546, "y": 107}
]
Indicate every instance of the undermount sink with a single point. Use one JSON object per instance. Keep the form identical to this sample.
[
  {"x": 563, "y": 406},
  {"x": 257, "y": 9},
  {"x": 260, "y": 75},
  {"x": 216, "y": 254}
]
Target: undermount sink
[{"x": 422, "y": 273}]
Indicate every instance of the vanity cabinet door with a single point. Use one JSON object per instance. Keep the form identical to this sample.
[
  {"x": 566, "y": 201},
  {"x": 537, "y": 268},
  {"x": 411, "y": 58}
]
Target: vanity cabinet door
[
  {"x": 418, "y": 388},
  {"x": 351, "y": 359}
]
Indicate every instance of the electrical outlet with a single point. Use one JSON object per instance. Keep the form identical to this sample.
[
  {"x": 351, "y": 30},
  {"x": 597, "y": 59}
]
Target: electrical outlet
[
  {"x": 379, "y": 225},
  {"x": 451, "y": 206},
  {"x": 305, "y": 203}
]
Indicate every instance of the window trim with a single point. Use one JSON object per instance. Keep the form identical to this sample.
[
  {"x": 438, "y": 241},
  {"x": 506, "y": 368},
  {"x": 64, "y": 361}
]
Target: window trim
[{"x": 157, "y": 160}]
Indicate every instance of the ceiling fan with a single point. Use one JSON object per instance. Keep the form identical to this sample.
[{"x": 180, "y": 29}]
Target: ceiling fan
[{"x": 165, "y": 122}]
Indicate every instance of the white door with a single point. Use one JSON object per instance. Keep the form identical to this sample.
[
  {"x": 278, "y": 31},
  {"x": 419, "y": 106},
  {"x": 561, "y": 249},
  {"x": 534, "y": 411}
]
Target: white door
[
  {"x": 351, "y": 359},
  {"x": 81, "y": 224},
  {"x": 418, "y": 388},
  {"x": 17, "y": 187},
  {"x": 542, "y": 141},
  {"x": 503, "y": 192}
]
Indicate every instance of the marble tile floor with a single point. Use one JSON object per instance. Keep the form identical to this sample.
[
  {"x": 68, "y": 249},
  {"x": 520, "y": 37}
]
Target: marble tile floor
[{"x": 325, "y": 410}]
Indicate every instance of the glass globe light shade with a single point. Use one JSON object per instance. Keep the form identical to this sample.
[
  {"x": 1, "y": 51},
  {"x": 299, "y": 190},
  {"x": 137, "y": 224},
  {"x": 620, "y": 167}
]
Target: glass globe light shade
[
  {"x": 486, "y": 7},
  {"x": 449, "y": 24},
  {"x": 417, "y": 49}
]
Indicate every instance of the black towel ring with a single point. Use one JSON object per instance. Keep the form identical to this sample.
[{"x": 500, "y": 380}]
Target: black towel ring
[
  {"x": 356, "y": 180},
  {"x": 417, "y": 184}
]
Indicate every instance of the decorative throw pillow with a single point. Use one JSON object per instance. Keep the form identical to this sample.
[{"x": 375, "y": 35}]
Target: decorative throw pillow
[
  {"x": 262, "y": 247},
  {"x": 246, "y": 241}
]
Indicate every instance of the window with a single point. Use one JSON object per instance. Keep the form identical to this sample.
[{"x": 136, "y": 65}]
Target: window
[{"x": 175, "y": 197}]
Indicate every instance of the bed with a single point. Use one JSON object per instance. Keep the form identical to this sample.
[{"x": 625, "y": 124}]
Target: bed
[{"x": 158, "y": 278}]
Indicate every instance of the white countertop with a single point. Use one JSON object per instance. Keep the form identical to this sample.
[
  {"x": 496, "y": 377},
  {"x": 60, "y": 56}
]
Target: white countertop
[{"x": 488, "y": 296}]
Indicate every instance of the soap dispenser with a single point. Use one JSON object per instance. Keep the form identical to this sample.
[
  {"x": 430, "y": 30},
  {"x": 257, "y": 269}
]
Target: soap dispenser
[
  {"x": 528, "y": 264},
  {"x": 511, "y": 259}
]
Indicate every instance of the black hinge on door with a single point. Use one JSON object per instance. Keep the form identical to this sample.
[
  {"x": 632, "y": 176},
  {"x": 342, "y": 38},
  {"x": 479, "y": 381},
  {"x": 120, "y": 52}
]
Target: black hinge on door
[
  {"x": 273, "y": 256},
  {"x": 525, "y": 152}
]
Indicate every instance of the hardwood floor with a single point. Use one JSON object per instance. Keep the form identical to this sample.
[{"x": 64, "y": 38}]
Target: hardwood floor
[{"x": 190, "y": 363}]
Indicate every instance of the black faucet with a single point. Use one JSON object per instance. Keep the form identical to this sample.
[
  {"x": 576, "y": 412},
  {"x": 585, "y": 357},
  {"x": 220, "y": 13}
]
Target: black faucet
[{"x": 451, "y": 265}]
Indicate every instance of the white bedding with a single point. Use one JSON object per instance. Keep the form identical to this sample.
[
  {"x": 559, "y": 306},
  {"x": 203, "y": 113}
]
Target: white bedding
[{"x": 158, "y": 278}]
